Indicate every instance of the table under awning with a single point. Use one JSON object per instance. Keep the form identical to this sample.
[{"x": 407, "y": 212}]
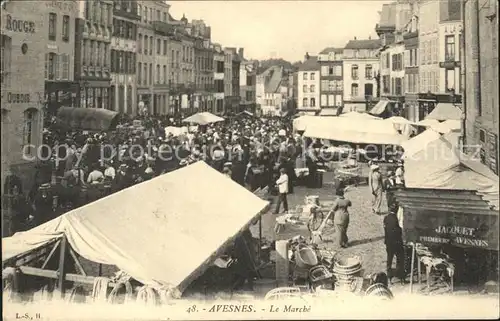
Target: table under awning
[
  {"x": 442, "y": 216},
  {"x": 93, "y": 119}
]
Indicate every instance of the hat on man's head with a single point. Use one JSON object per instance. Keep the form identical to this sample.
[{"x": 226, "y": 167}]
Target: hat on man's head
[{"x": 374, "y": 167}]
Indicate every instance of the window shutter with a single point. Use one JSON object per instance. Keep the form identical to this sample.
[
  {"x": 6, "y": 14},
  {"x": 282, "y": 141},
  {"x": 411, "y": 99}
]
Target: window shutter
[
  {"x": 46, "y": 66},
  {"x": 57, "y": 62}
]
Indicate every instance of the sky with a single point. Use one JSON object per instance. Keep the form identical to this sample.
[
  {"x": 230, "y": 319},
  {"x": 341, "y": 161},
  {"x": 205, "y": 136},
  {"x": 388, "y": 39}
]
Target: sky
[{"x": 283, "y": 29}]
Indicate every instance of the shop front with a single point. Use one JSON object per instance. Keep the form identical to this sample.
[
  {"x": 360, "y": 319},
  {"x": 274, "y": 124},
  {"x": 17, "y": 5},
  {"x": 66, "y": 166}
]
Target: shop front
[
  {"x": 60, "y": 93},
  {"x": 95, "y": 94}
]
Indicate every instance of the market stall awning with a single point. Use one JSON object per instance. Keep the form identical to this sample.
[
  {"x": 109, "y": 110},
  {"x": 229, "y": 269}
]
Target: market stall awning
[
  {"x": 380, "y": 107},
  {"x": 164, "y": 232},
  {"x": 447, "y": 126},
  {"x": 203, "y": 118},
  {"x": 447, "y": 216},
  {"x": 358, "y": 131},
  {"x": 328, "y": 112},
  {"x": 92, "y": 119},
  {"x": 445, "y": 111},
  {"x": 356, "y": 115}
]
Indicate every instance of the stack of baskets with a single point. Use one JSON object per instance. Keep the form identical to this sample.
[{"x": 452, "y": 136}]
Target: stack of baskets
[{"x": 346, "y": 272}]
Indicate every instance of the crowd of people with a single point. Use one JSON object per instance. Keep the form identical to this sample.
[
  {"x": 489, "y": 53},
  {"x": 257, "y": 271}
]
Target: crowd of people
[{"x": 85, "y": 166}]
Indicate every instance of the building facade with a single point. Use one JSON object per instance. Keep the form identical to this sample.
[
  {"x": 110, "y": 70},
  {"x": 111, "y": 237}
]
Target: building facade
[
  {"x": 124, "y": 57},
  {"x": 93, "y": 32},
  {"x": 331, "y": 78},
  {"x": 450, "y": 37},
  {"x": 361, "y": 65},
  {"x": 231, "y": 80},
  {"x": 270, "y": 92},
  {"x": 153, "y": 53},
  {"x": 480, "y": 46},
  {"x": 248, "y": 79},
  {"x": 309, "y": 85},
  {"x": 219, "y": 56},
  {"x": 203, "y": 66},
  {"x": 60, "y": 86},
  {"x": 24, "y": 37}
]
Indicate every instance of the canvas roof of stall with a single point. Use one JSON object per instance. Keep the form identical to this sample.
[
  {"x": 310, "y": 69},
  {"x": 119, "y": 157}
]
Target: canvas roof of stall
[
  {"x": 357, "y": 130},
  {"x": 434, "y": 161},
  {"x": 93, "y": 119},
  {"x": 162, "y": 232},
  {"x": 445, "y": 111}
]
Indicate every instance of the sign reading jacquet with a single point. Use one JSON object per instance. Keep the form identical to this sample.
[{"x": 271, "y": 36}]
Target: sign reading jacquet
[
  {"x": 18, "y": 25},
  {"x": 459, "y": 229}
]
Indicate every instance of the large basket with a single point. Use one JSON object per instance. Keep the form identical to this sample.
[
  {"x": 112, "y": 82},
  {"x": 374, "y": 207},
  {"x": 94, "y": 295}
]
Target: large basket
[
  {"x": 305, "y": 257},
  {"x": 347, "y": 266}
]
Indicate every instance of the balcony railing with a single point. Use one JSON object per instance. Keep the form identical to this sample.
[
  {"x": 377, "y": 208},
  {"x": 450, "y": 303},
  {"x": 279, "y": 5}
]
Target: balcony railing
[
  {"x": 163, "y": 28},
  {"x": 449, "y": 57}
]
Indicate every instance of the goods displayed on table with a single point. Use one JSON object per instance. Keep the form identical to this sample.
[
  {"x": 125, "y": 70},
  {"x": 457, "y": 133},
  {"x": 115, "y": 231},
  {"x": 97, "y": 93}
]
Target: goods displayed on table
[{"x": 350, "y": 171}]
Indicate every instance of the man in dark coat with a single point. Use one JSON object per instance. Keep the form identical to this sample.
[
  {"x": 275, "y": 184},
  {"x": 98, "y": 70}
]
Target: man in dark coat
[{"x": 394, "y": 246}]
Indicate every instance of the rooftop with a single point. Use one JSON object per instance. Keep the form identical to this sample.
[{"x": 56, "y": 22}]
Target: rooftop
[
  {"x": 388, "y": 15},
  {"x": 310, "y": 64},
  {"x": 331, "y": 49},
  {"x": 363, "y": 44}
]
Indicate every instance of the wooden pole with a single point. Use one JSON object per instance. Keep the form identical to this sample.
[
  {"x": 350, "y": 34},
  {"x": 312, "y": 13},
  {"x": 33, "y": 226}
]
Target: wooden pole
[
  {"x": 60, "y": 271},
  {"x": 260, "y": 239},
  {"x": 412, "y": 266}
]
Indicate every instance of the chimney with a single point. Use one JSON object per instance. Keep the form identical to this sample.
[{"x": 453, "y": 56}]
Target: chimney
[
  {"x": 306, "y": 57},
  {"x": 240, "y": 52},
  {"x": 369, "y": 37},
  {"x": 355, "y": 38}
]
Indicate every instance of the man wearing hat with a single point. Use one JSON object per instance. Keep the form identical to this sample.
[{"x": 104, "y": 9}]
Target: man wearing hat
[
  {"x": 376, "y": 188},
  {"x": 399, "y": 177},
  {"x": 393, "y": 239},
  {"x": 389, "y": 187}
]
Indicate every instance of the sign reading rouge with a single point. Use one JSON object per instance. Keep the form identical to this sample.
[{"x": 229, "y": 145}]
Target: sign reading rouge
[
  {"x": 18, "y": 25},
  {"x": 459, "y": 229}
]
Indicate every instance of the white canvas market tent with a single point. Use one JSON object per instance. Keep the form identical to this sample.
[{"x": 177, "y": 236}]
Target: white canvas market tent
[
  {"x": 163, "y": 232},
  {"x": 433, "y": 161},
  {"x": 203, "y": 118},
  {"x": 358, "y": 130}
]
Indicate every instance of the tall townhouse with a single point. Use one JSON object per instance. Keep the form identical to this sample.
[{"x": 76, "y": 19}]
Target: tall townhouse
[
  {"x": 235, "y": 68},
  {"x": 361, "y": 65},
  {"x": 187, "y": 61},
  {"x": 248, "y": 78},
  {"x": 60, "y": 86},
  {"x": 24, "y": 37},
  {"x": 270, "y": 92},
  {"x": 153, "y": 56},
  {"x": 331, "y": 80},
  {"x": 93, "y": 32},
  {"x": 203, "y": 66},
  {"x": 231, "y": 80},
  {"x": 308, "y": 86},
  {"x": 481, "y": 79},
  {"x": 124, "y": 56},
  {"x": 412, "y": 83},
  {"x": 219, "y": 56},
  {"x": 392, "y": 70},
  {"x": 161, "y": 27}
]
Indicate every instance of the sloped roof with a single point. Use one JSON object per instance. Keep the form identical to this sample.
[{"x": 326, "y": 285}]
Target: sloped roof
[
  {"x": 327, "y": 50},
  {"x": 310, "y": 64},
  {"x": 168, "y": 225},
  {"x": 273, "y": 77},
  {"x": 363, "y": 44}
]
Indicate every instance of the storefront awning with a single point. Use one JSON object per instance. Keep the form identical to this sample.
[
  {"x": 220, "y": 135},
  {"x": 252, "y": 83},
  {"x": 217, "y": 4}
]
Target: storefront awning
[
  {"x": 445, "y": 111},
  {"x": 456, "y": 217},
  {"x": 93, "y": 119},
  {"x": 328, "y": 112}
]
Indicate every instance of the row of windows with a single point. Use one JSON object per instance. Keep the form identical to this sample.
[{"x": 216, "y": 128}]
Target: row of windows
[
  {"x": 56, "y": 66},
  {"x": 429, "y": 52},
  {"x": 355, "y": 72},
  {"x": 53, "y": 27},
  {"x": 98, "y": 12},
  {"x": 123, "y": 62},
  {"x": 148, "y": 16},
  {"x": 368, "y": 90},
  {"x": 309, "y": 102},
  {"x": 124, "y": 29},
  {"x": 95, "y": 53},
  {"x": 331, "y": 100},
  {"x": 332, "y": 85},
  {"x": 429, "y": 81},
  {"x": 310, "y": 76},
  {"x": 331, "y": 71},
  {"x": 308, "y": 88}
]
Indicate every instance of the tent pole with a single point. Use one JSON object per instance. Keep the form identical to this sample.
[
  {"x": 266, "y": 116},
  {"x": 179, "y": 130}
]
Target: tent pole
[
  {"x": 44, "y": 265},
  {"x": 412, "y": 266},
  {"x": 260, "y": 239},
  {"x": 62, "y": 257}
]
